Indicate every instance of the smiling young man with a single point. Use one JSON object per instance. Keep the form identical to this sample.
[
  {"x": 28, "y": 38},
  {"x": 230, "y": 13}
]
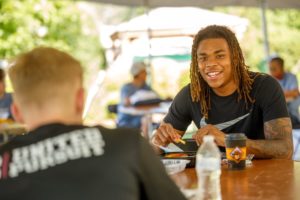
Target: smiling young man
[{"x": 225, "y": 97}]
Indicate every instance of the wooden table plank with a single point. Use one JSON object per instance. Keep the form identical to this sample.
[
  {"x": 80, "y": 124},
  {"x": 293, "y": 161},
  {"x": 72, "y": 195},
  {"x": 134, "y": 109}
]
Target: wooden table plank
[{"x": 264, "y": 179}]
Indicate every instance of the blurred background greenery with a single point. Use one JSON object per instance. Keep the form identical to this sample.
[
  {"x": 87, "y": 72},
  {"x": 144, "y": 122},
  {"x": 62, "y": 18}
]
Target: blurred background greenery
[{"x": 26, "y": 24}]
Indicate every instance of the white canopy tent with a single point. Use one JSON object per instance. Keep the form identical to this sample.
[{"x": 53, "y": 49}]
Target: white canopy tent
[
  {"x": 204, "y": 3},
  {"x": 186, "y": 19},
  {"x": 171, "y": 30},
  {"x": 263, "y": 4}
]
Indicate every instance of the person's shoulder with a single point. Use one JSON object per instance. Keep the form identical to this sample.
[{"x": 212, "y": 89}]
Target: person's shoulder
[
  {"x": 265, "y": 86},
  {"x": 186, "y": 88},
  {"x": 50, "y": 132},
  {"x": 8, "y": 94},
  {"x": 127, "y": 85},
  {"x": 260, "y": 77},
  {"x": 119, "y": 130},
  {"x": 125, "y": 140},
  {"x": 7, "y": 97},
  {"x": 147, "y": 87},
  {"x": 263, "y": 82},
  {"x": 120, "y": 134},
  {"x": 289, "y": 75},
  {"x": 184, "y": 92}
]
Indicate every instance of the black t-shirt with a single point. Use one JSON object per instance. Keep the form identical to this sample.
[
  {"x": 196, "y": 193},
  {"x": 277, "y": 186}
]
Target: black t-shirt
[
  {"x": 230, "y": 115},
  {"x": 77, "y": 162}
]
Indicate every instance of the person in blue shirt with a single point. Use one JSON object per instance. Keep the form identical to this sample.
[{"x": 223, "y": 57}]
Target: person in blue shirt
[
  {"x": 139, "y": 73},
  {"x": 289, "y": 84},
  {"x": 5, "y": 98}
]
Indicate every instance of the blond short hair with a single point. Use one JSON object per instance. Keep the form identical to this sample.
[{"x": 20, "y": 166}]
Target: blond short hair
[{"x": 44, "y": 74}]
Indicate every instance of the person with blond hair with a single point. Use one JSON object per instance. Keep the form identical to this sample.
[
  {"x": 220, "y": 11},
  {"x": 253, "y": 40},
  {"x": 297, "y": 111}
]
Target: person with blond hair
[
  {"x": 225, "y": 97},
  {"x": 59, "y": 158}
]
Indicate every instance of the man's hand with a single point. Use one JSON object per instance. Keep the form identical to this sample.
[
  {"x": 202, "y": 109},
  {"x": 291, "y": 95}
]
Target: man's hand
[
  {"x": 210, "y": 130},
  {"x": 291, "y": 94},
  {"x": 166, "y": 134}
]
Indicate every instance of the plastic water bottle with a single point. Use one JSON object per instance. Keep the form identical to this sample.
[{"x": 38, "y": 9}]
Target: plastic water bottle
[{"x": 208, "y": 167}]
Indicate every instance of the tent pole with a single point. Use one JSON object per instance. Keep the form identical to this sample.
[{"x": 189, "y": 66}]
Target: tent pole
[
  {"x": 264, "y": 27},
  {"x": 149, "y": 76}
]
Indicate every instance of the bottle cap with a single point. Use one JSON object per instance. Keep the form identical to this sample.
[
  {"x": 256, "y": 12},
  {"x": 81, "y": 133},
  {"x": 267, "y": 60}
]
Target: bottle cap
[{"x": 208, "y": 138}]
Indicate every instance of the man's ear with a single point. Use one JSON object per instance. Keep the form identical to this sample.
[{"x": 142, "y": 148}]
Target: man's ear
[
  {"x": 80, "y": 101},
  {"x": 16, "y": 113}
]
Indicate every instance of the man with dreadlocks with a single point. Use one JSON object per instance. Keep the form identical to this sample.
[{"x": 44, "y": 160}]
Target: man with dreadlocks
[{"x": 225, "y": 97}]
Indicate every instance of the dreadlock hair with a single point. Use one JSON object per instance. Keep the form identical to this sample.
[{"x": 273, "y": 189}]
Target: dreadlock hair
[{"x": 200, "y": 90}]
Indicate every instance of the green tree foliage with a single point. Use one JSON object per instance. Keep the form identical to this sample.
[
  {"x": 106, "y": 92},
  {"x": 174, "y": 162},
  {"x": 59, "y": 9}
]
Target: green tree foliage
[
  {"x": 283, "y": 31},
  {"x": 25, "y": 24}
]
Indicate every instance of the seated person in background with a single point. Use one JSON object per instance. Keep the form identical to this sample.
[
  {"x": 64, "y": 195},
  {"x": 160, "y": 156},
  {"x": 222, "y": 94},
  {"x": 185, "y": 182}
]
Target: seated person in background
[
  {"x": 131, "y": 92},
  {"x": 5, "y": 99},
  {"x": 62, "y": 159},
  {"x": 225, "y": 97},
  {"x": 289, "y": 84}
]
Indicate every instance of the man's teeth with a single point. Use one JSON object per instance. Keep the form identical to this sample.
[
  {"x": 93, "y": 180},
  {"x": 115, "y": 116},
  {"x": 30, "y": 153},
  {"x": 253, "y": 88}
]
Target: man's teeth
[{"x": 213, "y": 74}]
